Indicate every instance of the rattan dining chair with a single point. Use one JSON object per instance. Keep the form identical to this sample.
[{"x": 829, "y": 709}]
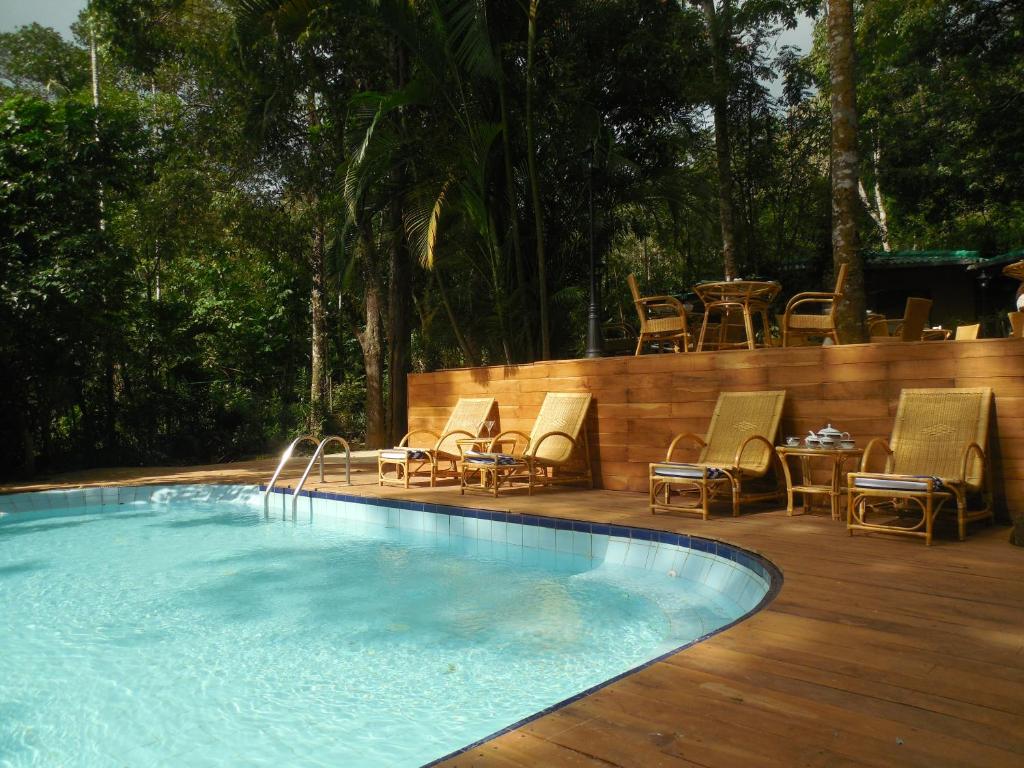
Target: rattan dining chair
[
  {"x": 438, "y": 455},
  {"x": 1016, "y": 325},
  {"x": 799, "y": 324},
  {"x": 910, "y": 328},
  {"x": 967, "y": 332},
  {"x": 936, "y": 455},
  {"x": 738, "y": 449},
  {"x": 662, "y": 320}
]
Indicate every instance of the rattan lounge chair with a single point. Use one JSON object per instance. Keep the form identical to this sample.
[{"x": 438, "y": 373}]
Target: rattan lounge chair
[
  {"x": 797, "y": 324},
  {"x": 936, "y": 455},
  {"x": 555, "y": 452},
  {"x": 739, "y": 448},
  {"x": 437, "y": 456},
  {"x": 662, "y": 320}
]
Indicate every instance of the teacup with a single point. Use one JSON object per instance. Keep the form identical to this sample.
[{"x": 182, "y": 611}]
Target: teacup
[
  {"x": 847, "y": 444},
  {"x": 812, "y": 442},
  {"x": 792, "y": 442},
  {"x": 827, "y": 442}
]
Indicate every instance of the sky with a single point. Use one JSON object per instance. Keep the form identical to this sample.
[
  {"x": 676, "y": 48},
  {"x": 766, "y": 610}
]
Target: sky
[{"x": 59, "y": 14}]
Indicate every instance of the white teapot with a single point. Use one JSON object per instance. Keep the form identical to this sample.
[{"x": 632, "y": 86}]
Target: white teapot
[{"x": 829, "y": 436}]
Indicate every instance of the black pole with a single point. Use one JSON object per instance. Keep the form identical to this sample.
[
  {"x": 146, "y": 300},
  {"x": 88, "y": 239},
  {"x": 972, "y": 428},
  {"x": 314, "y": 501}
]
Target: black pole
[{"x": 595, "y": 342}]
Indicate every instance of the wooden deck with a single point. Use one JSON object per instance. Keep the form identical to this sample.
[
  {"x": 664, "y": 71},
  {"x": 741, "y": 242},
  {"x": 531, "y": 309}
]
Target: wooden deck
[{"x": 876, "y": 652}]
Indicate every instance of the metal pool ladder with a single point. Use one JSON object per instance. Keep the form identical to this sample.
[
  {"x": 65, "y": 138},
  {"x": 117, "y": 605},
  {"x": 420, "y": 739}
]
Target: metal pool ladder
[{"x": 317, "y": 454}]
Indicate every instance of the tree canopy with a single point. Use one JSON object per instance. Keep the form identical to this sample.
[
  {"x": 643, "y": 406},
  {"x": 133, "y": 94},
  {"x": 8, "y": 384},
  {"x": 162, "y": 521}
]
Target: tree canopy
[{"x": 280, "y": 207}]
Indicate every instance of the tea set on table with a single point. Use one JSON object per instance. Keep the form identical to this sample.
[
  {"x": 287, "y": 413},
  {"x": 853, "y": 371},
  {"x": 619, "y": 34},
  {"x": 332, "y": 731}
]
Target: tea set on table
[{"x": 827, "y": 437}]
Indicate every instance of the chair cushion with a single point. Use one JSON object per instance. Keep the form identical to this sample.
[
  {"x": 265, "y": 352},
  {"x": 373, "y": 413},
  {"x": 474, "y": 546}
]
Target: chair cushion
[
  {"x": 899, "y": 483},
  {"x": 480, "y": 457},
  {"x": 663, "y": 324},
  {"x": 401, "y": 454},
  {"x": 813, "y": 322},
  {"x": 689, "y": 470}
]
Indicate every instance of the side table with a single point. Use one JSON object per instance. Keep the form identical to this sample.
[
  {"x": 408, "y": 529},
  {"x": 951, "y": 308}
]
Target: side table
[{"x": 837, "y": 456}]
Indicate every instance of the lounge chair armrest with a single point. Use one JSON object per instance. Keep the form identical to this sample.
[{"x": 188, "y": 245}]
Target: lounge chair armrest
[
  {"x": 877, "y": 442},
  {"x": 532, "y": 449},
  {"x": 748, "y": 441},
  {"x": 452, "y": 433},
  {"x": 675, "y": 440},
  {"x": 517, "y": 433},
  {"x": 404, "y": 442},
  {"x": 972, "y": 448}
]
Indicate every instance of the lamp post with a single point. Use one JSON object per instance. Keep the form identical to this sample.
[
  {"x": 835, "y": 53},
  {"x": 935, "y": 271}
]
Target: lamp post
[{"x": 595, "y": 342}]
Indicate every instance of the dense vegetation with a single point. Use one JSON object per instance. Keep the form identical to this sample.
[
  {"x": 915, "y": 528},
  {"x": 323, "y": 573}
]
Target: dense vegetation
[{"x": 271, "y": 210}]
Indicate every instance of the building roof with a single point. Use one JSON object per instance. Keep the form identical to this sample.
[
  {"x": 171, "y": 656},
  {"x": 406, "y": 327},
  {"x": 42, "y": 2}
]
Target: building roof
[{"x": 900, "y": 259}]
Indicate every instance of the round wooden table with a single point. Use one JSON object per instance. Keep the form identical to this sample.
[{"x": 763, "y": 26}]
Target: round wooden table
[{"x": 725, "y": 298}]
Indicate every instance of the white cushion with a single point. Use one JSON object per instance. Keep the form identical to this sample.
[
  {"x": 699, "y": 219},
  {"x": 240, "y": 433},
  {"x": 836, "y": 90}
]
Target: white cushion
[
  {"x": 896, "y": 484},
  {"x": 401, "y": 454}
]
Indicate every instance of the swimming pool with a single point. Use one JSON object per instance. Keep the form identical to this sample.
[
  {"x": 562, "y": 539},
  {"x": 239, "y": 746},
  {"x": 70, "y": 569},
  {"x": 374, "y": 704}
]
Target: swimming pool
[{"x": 152, "y": 626}]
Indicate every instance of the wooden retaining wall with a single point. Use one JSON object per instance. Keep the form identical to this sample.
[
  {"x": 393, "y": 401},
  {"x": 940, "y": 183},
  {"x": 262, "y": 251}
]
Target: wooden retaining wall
[{"x": 641, "y": 402}]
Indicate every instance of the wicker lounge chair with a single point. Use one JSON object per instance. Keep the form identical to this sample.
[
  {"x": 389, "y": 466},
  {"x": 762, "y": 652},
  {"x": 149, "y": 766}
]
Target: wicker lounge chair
[
  {"x": 738, "y": 448},
  {"x": 439, "y": 455},
  {"x": 798, "y": 325},
  {"x": 936, "y": 455},
  {"x": 555, "y": 452},
  {"x": 662, "y": 320},
  {"x": 909, "y": 328}
]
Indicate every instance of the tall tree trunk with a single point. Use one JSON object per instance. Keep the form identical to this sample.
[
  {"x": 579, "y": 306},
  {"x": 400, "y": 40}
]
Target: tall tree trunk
[
  {"x": 531, "y": 166},
  {"x": 876, "y": 210},
  {"x": 844, "y": 168},
  {"x": 513, "y": 217},
  {"x": 468, "y": 350},
  {"x": 399, "y": 309},
  {"x": 318, "y": 311},
  {"x": 719, "y": 34},
  {"x": 372, "y": 343}
]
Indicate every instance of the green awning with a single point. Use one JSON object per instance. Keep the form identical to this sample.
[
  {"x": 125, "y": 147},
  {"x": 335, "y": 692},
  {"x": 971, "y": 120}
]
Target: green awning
[{"x": 901, "y": 259}]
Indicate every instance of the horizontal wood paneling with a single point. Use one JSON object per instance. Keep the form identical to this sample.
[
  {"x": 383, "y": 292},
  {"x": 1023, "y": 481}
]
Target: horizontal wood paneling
[{"x": 641, "y": 402}]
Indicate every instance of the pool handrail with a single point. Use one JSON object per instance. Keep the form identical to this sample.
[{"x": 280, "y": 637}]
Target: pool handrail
[
  {"x": 280, "y": 466},
  {"x": 319, "y": 453}
]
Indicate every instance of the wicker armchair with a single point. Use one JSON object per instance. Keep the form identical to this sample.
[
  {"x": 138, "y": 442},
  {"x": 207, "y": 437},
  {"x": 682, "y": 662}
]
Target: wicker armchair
[
  {"x": 936, "y": 455},
  {"x": 739, "y": 447},
  {"x": 555, "y": 452},
  {"x": 437, "y": 456},
  {"x": 797, "y": 324},
  {"x": 662, "y": 319}
]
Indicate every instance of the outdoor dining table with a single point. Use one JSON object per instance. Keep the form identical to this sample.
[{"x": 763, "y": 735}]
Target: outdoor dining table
[{"x": 726, "y": 297}]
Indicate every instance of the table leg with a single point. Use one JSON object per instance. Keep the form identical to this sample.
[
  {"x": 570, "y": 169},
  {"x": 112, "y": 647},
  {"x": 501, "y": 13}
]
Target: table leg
[
  {"x": 748, "y": 324},
  {"x": 703, "y": 330},
  {"x": 805, "y": 479},
  {"x": 837, "y": 465},
  {"x": 789, "y": 486}
]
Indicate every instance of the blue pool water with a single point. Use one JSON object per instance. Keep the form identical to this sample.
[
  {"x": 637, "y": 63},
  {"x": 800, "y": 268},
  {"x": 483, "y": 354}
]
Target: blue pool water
[{"x": 200, "y": 633}]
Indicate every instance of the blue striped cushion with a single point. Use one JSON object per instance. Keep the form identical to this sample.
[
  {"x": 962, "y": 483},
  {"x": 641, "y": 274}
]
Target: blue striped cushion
[
  {"x": 401, "y": 454},
  {"x": 898, "y": 484},
  {"x": 479, "y": 457},
  {"x": 689, "y": 470}
]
